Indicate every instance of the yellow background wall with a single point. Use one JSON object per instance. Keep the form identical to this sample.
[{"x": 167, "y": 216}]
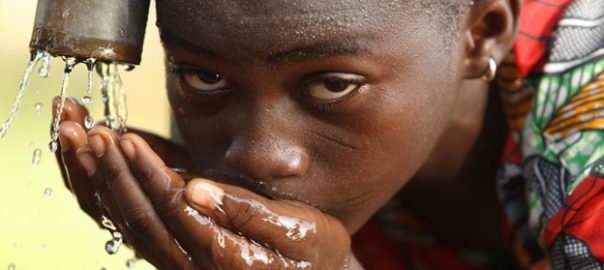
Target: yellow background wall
[{"x": 40, "y": 232}]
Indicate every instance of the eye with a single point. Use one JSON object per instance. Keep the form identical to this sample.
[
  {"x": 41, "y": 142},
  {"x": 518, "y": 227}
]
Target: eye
[
  {"x": 333, "y": 86},
  {"x": 204, "y": 81}
]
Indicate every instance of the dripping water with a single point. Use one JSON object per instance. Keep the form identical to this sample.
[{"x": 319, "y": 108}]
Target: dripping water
[
  {"x": 45, "y": 67},
  {"x": 70, "y": 63},
  {"x": 22, "y": 89},
  {"x": 87, "y": 98},
  {"x": 113, "y": 245},
  {"x": 114, "y": 97}
]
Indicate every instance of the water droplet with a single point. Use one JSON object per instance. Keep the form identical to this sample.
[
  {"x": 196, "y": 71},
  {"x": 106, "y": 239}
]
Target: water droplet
[
  {"x": 107, "y": 223},
  {"x": 43, "y": 72},
  {"x": 87, "y": 100},
  {"x": 53, "y": 146},
  {"x": 112, "y": 247},
  {"x": 44, "y": 68},
  {"x": 38, "y": 107},
  {"x": 11, "y": 266},
  {"x": 131, "y": 263},
  {"x": 35, "y": 160},
  {"x": 128, "y": 67},
  {"x": 88, "y": 122},
  {"x": 48, "y": 192}
]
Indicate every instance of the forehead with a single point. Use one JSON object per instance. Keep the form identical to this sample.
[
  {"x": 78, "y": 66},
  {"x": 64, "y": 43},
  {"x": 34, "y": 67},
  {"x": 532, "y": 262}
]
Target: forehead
[{"x": 264, "y": 27}]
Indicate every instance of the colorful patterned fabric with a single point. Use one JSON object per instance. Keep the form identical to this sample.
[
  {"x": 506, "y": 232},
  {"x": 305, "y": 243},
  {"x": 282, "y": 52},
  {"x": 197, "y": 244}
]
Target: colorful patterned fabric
[{"x": 551, "y": 182}]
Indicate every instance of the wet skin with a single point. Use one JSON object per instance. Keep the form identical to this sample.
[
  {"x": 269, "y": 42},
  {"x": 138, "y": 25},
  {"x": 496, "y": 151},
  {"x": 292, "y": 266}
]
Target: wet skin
[{"x": 311, "y": 114}]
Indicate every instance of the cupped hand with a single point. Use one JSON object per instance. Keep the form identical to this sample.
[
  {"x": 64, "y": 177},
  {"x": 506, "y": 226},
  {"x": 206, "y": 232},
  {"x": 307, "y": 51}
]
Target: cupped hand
[
  {"x": 199, "y": 225},
  {"x": 75, "y": 155}
]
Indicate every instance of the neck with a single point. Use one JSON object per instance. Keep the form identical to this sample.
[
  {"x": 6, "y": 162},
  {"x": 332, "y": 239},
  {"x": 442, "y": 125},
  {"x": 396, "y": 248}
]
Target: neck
[{"x": 454, "y": 195}]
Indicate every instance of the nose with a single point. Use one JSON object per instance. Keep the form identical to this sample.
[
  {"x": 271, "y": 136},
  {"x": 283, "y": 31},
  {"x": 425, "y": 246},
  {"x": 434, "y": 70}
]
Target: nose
[{"x": 264, "y": 156}]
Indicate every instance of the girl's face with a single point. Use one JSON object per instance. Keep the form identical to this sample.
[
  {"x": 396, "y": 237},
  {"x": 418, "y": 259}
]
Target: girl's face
[{"x": 333, "y": 103}]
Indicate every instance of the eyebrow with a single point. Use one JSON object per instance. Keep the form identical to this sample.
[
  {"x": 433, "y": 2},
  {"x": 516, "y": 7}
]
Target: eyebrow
[
  {"x": 168, "y": 37},
  {"x": 304, "y": 53},
  {"x": 316, "y": 51}
]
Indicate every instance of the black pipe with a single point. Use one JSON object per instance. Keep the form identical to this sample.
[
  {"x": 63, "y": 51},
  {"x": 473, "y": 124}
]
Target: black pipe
[{"x": 108, "y": 30}]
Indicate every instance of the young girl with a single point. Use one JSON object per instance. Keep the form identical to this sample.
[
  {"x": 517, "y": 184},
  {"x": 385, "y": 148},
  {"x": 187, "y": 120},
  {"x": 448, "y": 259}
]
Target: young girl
[{"x": 302, "y": 119}]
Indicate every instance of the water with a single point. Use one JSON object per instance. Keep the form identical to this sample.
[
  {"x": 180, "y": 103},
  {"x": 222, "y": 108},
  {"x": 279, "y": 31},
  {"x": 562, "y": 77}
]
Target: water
[
  {"x": 48, "y": 192},
  {"x": 89, "y": 122},
  {"x": 35, "y": 160},
  {"x": 115, "y": 113},
  {"x": 113, "y": 245},
  {"x": 38, "y": 107},
  {"x": 87, "y": 98},
  {"x": 70, "y": 63},
  {"x": 114, "y": 97},
  {"x": 112, "y": 90},
  {"x": 45, "y": 67},
  {"x": 22, "y": 89}
]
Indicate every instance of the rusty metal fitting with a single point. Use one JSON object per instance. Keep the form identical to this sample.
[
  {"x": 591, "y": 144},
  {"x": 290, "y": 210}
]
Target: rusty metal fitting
[{"x": 108, "y": 30}]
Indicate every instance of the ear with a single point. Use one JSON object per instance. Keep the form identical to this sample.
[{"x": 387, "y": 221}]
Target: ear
[{"x": 488, "y": 31}]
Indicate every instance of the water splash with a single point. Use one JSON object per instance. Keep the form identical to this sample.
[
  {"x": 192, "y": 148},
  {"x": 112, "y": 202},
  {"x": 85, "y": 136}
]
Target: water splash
[
  {"x": 22, "y": 89},
  {"x": 70, "y": 63}
]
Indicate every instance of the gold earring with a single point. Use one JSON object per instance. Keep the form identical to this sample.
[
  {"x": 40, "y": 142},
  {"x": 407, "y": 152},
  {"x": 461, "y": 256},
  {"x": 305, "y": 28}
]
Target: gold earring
[{"x": 491, "y": 71}]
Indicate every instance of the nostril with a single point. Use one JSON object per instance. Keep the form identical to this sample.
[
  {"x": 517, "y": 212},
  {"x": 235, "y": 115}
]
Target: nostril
[{"x": 267, "y": 162}]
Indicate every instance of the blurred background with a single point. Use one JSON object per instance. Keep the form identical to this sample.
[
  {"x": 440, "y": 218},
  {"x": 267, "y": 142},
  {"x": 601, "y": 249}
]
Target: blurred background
[{"x": 41, "y": 224}]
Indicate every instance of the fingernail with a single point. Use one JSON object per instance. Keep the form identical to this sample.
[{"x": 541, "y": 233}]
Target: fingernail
[
  {"x": 87, "y": 159},
  {"x": 97, "y": 144},
  {"x": 206, "y": 195},
  {"x": 65, "y": 145},
  {"x": 127, "y": 148}
]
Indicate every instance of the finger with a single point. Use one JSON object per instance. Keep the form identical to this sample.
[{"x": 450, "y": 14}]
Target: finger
[
  {"x": 295, "y": 229},
  {"x": 86, "y": 156},
  {"x": 115, "y": 183},
  {"x": 73, "y": 137},
  {"x": 74, "y": 112},
  {"x": 211, "y": 245}
]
